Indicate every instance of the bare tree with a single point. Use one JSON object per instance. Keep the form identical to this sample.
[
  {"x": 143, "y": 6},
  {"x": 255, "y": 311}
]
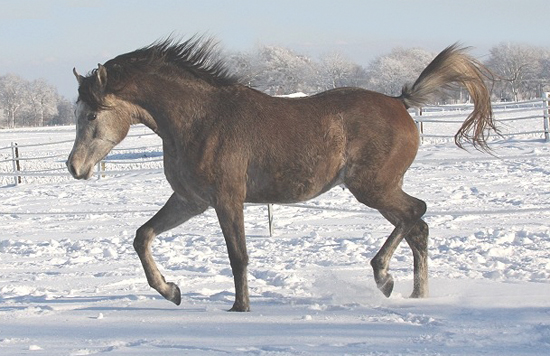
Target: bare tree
[
  {"x": 522, "y": 71},
  {"x": 35, "y": 103},
  {"x": 517, "y": 69},
  {"x": 388, "y": 73},
  {"x": 2, "y": 118},
  {"x": 338, "y": 71},
  {"x": 278, "y": 70},
  {"x": 42, "y": 102},
  {"x": 545, "y": 72},
  {"x": 244, "y": 66},
  {"x": 13, "y": 92},
  {"x": 65, "y": 113}
]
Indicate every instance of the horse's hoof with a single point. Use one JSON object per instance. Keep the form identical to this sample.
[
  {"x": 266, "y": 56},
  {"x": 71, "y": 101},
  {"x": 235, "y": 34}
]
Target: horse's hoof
[
  {"x": 174, "y": 295},
  {"x": 416, "y": 294},
  {"x": 386, "y": 285},
  {"x": 240, "y": 308}
]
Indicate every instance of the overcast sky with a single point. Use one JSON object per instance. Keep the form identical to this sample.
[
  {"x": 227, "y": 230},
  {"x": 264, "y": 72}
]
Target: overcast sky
[{"x": 47, "y": 38}]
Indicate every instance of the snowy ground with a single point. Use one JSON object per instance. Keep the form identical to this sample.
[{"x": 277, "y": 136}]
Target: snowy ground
[{"x": 71, "y": 284}]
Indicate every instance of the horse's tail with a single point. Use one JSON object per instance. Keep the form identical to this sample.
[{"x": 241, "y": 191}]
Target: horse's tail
[{"x": 454, "y": 67}]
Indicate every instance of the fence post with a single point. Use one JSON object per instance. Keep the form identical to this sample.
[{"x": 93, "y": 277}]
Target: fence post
[
  {"x": 15, "y": 161},
  {"x": 546, "y": 116},
  {"x": 100, "y": 169},
  {"x": 270, "y": 218},
  {"x": 419, "y": 123}
]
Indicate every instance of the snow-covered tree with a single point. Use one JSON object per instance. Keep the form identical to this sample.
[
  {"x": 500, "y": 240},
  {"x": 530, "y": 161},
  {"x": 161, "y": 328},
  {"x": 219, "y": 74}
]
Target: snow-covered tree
[
  {"x": 42, "y": 103},
  {"x": 65, "y": 113},
  {"x": 13, "y": 97},
  {"x": 35, "y": 103},
  {"x": 518, "y": 70},
  {"x": 243, "y": 65},
  {"x": 337, "y": 71},
  {"x": 388, "y": 73},
  {"x": 279, "y": 71}
]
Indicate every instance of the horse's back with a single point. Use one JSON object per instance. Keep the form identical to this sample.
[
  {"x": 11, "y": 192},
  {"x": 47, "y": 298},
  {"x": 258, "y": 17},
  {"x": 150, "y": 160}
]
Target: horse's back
[
  {"x": 381, "y": 139},
  {"x": 375, "y": 127},
  {"x": 302, "y": 147}
]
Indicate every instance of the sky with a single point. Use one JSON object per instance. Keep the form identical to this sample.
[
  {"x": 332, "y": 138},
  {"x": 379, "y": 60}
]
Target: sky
[{"x": 47, "y": 38}]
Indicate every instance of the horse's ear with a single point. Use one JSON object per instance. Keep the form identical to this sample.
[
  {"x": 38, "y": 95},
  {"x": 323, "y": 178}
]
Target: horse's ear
[
  {"x": 101, "y": 74},
  {"x": 79, "y": 78}
]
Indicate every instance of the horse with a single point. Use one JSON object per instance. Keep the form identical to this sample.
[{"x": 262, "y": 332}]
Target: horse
[{"x": 226, "y": 144}]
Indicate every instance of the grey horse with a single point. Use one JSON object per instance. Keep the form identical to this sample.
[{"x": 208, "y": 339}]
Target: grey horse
[{"x": 226, "y": 144}]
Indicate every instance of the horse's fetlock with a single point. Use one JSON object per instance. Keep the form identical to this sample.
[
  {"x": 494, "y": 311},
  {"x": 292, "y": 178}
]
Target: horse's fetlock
[{"x": 377, "y": 264}]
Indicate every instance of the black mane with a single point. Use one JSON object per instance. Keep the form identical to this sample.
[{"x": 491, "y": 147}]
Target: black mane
[{"x": 197, "y": 56}]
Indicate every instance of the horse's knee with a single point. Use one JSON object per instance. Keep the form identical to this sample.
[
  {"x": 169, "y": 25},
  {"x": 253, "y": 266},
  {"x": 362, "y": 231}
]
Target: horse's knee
[
  {"x": 422, "y": 230},
  {"x": 143, "y": 236},
  {"x": 418, "y": 236},
  {"x": 417, "y": 209},
  {"x": 422, "y": 207},
  {"x": 239, "y": 262}
]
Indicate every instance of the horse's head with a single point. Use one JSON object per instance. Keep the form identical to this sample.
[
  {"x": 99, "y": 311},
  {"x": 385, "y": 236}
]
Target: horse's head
[{"x": 102, "y": 121}]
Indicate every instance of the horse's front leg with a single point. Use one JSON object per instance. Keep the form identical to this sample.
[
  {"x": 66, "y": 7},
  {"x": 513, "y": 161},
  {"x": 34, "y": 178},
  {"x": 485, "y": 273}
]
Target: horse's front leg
[
  {"x": 175, "y": 212},
  {"x": 231, "y": 218}
]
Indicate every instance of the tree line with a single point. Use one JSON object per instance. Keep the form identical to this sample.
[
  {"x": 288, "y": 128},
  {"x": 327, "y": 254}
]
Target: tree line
[
  {"x": 26, "y": 103},
  {"x": 519, "y": 72}
]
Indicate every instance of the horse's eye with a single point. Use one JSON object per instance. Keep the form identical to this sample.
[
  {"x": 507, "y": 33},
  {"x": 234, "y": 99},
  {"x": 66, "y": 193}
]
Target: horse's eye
[{"x": 92, "y": 116}]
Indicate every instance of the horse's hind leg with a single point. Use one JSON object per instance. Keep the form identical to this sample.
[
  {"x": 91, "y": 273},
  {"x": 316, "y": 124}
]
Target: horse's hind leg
[
  {"x": 417, "y": 239},
  {"x": 175, "y": 212},
  {"x": 404, "y": 212}
]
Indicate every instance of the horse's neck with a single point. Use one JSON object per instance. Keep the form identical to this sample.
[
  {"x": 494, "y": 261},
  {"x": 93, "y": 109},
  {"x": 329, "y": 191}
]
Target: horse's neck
[
  {"x": 175, "y": 121},
  {"x": 140, "y": 115}
]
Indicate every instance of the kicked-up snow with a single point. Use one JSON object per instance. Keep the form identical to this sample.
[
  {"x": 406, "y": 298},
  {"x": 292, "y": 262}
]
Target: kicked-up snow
[{"x": 71, "y": 283}]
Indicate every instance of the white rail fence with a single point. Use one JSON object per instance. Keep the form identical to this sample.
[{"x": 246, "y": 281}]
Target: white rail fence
[
  {"x": 52, "y": 162},
  {"x": 527, "y": 119}
]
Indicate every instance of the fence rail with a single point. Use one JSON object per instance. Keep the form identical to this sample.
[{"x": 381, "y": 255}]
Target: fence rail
[
  {"x": 125, "y": 160},
  {"x": 434, "y": 122},
  {"x": 508, "y": 113}
]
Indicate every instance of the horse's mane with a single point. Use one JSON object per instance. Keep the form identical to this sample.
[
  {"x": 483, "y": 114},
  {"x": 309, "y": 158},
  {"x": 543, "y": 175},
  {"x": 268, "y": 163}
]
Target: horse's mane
[{"x": 198, "y": 56}]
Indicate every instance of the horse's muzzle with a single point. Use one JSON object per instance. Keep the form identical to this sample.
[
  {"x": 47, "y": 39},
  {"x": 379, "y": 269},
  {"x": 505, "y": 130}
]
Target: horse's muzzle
[{"x": 75, "y": 172}]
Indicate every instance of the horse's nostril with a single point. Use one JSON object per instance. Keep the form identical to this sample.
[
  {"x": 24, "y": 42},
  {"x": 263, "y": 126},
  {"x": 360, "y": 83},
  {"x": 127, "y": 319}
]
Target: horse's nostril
[{"x": 71, "y": 168}]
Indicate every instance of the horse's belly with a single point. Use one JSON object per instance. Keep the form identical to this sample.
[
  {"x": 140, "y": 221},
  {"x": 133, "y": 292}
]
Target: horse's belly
[{"x": 288, "y": 186}]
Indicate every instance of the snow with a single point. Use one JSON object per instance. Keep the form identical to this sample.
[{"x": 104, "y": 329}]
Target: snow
[
  {"x": 294, "y": 95},
  {"x": 71, "y": 283}
]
